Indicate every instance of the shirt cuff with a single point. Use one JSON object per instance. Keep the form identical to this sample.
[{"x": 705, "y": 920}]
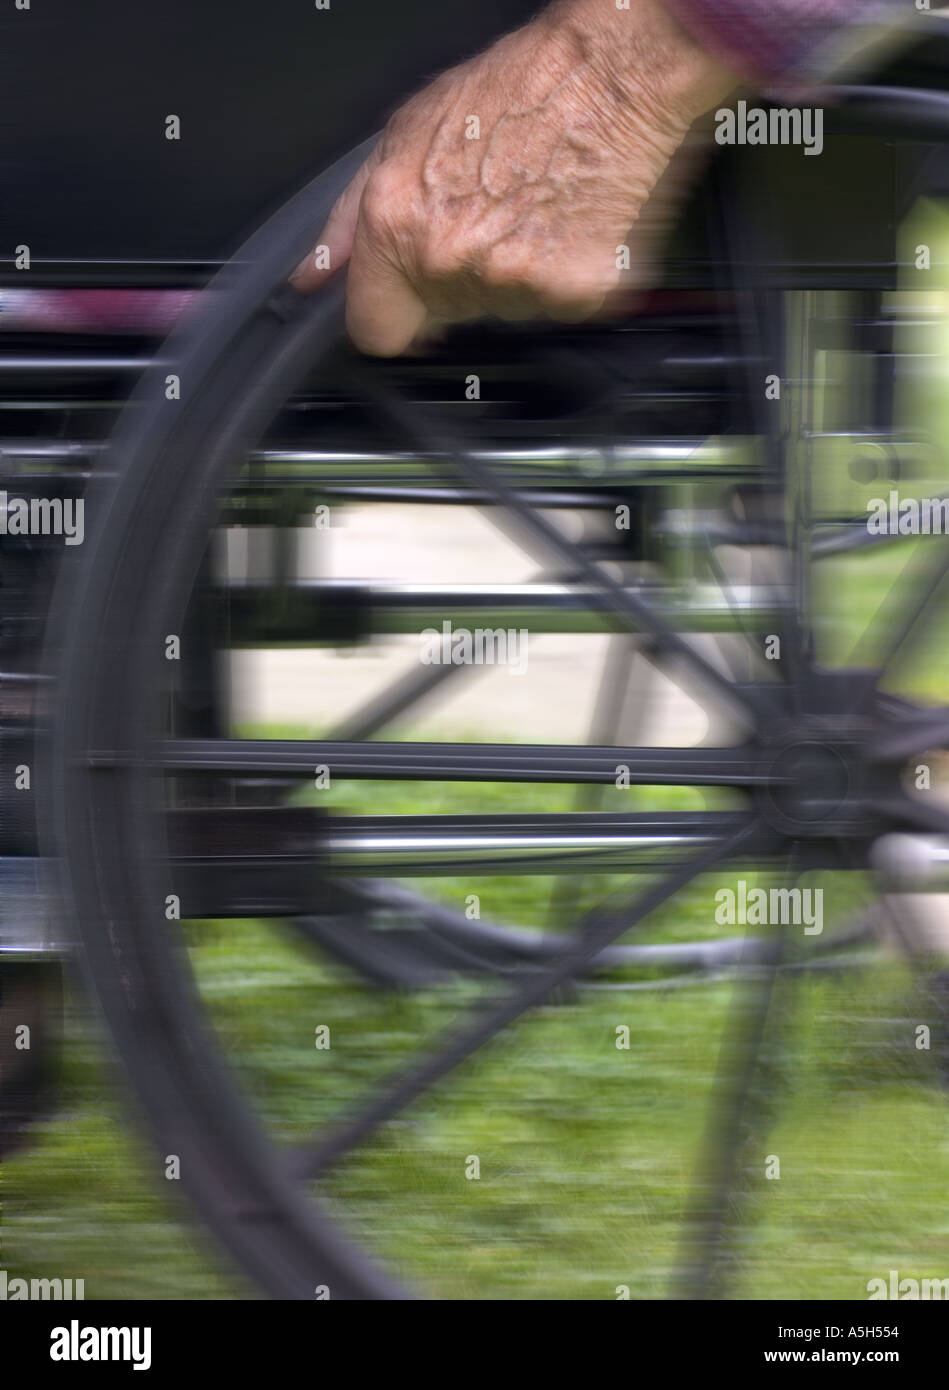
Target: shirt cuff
[{"x": 778, "y": 39}]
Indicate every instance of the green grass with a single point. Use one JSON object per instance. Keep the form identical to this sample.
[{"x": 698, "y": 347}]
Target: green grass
[{"x": 587, "y": 1153}]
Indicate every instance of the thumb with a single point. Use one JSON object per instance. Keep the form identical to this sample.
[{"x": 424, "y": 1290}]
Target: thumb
[{"x": 384, "y": 313}]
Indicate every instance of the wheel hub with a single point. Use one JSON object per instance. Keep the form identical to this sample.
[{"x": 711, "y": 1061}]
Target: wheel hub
[
  {"x": 810, "y": 784},
  {"x": 820, "y": 783}
]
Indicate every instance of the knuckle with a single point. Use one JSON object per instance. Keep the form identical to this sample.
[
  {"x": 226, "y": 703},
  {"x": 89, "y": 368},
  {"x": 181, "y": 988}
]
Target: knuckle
[
  {"x": 580, "y": 294},
  {"x": 511, "y": 271},
  {"x": 442, "y": 259},
  {"x": 384, "y": 206}
]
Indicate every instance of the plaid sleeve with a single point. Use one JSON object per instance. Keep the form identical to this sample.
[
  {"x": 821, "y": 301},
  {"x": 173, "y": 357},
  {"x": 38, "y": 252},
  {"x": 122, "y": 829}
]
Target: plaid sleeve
[{"x": 768, "y": 40}]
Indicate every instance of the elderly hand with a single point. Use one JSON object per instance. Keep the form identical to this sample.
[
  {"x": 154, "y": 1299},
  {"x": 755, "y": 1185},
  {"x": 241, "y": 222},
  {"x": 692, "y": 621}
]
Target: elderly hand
[{"x": 507, "y": 186}]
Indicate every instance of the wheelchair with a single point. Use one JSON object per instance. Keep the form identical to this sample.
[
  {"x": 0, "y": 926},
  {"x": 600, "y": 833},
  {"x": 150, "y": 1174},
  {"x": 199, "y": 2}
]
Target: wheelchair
[{"x": 688, "y": 483}]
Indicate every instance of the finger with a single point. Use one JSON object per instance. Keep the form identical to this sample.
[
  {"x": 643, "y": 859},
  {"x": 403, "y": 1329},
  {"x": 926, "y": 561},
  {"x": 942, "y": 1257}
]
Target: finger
[
  {"x": 334, "y": 244},
  {"x": 576, "y": 307},
  {"x": 384, "y": 313}
]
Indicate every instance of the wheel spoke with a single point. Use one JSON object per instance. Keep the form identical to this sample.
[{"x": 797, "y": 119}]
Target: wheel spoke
[
  {"x": 725, "y": 584},
  {"x": 531, "y": 528},
  {"x": 314, "y": 1159},
  {"x": 740, "y": 766},
  {"x": 899, "y": 616},
  {"x": 920, "y": 813},
  {"x": 917, "y": 732},
  {"x": 402, "y": 695},
  {"x": 736, "y": 1119},
  {"x": 610, "y": 703}
]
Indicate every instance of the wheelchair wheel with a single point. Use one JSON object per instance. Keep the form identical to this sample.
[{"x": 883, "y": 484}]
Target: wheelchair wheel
[{"x": 156, "y": 828}]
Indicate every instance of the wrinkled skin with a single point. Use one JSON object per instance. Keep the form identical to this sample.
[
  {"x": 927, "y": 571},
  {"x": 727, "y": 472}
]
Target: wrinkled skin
[{"x": 578, "y": 115}]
